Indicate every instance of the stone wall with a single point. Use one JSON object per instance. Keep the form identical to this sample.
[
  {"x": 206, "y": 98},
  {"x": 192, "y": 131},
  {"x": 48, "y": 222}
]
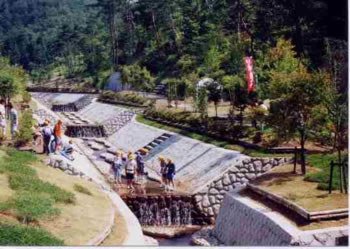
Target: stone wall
[
  {"x": 241, "y": 222},
  {"x": 58, "y": 162},
  {"x": 236, "y": 177}
]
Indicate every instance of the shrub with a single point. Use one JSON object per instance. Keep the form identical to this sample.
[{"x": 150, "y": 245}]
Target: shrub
[
  {"x": 25, "y": 133},
  {"x": 16, "y": 235},
  {"x": 81, "y": 189},
  {"x": 26, "y": 97},
  {"x": 125, "y": 97},
  {"x": 31, "y": 206},
  {"x": 270, "y": 140}
]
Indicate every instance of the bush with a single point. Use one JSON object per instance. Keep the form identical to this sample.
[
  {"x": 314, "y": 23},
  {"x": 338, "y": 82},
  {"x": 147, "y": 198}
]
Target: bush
[
  {"x": 25, "y": 133},
  {"x": 270, "y": 140},
  {"x": 16, "y": 235},
  {"x": 81, "y": 189},
  {"x": 126, "y": 97},
  {"x": 31, "y": 207},
  {"x": 26, "y": 97}
]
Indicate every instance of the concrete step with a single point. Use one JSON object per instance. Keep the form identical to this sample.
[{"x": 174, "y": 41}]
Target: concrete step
[
  {"x": 167, "y": 135},
  {"x": 158, "y": 141},
  {"x": 148, "y": 147},
  {"x": 112, "y": 150},
  {"x": 153, "y": 144},
  {"x": 95, "y": 146}
]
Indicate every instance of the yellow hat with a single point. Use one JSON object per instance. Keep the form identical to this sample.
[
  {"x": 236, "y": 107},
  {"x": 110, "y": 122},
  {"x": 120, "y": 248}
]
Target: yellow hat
[
  {"x": 143, "y": 150},
  {"x": 70, "y": 140},
  {"x": 46, "y": 122},
  {"x": 169, "y": 160},
  {"x": 131, "y": 157},
  {"x": 118, "y": 152},
  {"x": 161, "y": 158}
]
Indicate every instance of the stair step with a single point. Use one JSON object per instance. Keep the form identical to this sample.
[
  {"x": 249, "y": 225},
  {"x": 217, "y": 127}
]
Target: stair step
[
  {"x": 163, "y": 138},
  {"x": 112, "y": 150},
  {"x": 148, "y": 147},
  {"x": 153, "y": 144},
  {"x": 158, "y": 141},
  {"x": 167, "y": 135}
]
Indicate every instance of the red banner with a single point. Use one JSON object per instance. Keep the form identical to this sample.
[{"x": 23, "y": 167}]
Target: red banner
[{"x": 248, "y": 62}]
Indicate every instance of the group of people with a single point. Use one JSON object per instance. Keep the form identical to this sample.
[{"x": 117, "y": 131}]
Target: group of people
[
  {"x": 132, "y": 164},
  {"x": 8, "y": 112},
  {"x": 52, "y": 139},
  {"x": 134, "y": 168}
]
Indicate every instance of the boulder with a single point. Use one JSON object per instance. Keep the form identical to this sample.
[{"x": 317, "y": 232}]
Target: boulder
[
  {"x": 216, "y": 209},
  {"x": 251, "y": 167},
  {"x": 258, "y": 165},
  {"x": 219, "y": 185},
  {"x": 198, "y": 198},
  {"x": 267, "y": 167},
  {"x": 250, "y": 176},
  {"x": 212, "y": 199},
  {"x": 210, "y": 211},
  {"x": 234, "y": 169},
  {"x": 233, "y": 178},
  {"x": 220, "y": 197},
  {"x": 213, "y": 191},
  {"x": 226, "y": 180},
  {"x": 205, "y": 202}
]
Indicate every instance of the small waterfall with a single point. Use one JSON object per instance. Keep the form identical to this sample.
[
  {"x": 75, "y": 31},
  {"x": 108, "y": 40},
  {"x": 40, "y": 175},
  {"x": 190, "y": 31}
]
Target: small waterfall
[
  {"x": 64, "y": 108},
  {"x": 165, "y": 210},
  {"x": 85, "y": 131}
]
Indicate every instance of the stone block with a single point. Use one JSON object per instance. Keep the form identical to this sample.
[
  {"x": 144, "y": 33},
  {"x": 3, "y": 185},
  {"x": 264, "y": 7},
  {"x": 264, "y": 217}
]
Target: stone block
[
  {"x": 240, "y": 175},
  {"x": 244, "y": 170},
  {"x": 250, "y": 176},
  {"x": 198, "y": 198},
  {"x": 226, "y": 180},
  {"x": 210, "y": 211},
  {"x": 212, "y": 199},
  {"x": 213, "y": 191},
  {"x": 251, "y": 167},
  {"x": 267, "y": 167},
  {"x": 216, "y": 209},
  {"x": 218, "y": 185},
  {"x": 222, "y": 192},
  {"x": 220, "y": 197},
  {"x": 234, "y": 169},
  {"x": 205, "y": 202},
  {"x": 231, "y": 188},
  {"x": 258, "y": 165},
  {"x": 226, "y": 188},
  {"x": 244, "y": 180},
  {"x": 247, "y": 160},
  {"x": 233, "y": 178}
]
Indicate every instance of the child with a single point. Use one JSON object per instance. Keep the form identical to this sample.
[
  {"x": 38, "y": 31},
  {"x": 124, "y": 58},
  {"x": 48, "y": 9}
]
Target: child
[
  {"x": 13, "y": 120},
  {"x": 116, "y": 167},
  {"x": 130, "y": 170},
  {"x": 47, "y": 133},
  {"x": 67, "y": 150},
  {"x": 170, "y": 173},
  {"x": 162, "y": 165}
]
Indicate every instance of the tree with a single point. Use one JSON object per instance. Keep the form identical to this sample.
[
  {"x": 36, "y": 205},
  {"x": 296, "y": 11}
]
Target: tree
[
  {"x": 293, "y": 96},
  {"x": 215, "y": 94},
  {"x": 335, "y": 95}
]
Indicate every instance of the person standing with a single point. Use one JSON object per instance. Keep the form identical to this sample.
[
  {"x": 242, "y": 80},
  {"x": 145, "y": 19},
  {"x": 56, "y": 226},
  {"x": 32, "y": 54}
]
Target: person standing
[
  {"x": 57, "y": 134},
  {"x": 141, "y": 164},
  {"x": 130, "y": 170},
  {"x": 47, "y": 133},
  {"x": 116, "y": 167},
  {"x": 13, "y": 120},
  {"x": 162, "y": 165},
  {"x": 170, "y": 173},
  {"x": 2, "y": 118}
]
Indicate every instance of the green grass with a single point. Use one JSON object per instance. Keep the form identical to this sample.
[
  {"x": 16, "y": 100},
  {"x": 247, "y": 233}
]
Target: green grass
[
  {"x": 81, "y": 189},
  {"x": 209, "y": 140},
  {"x": 322, "y": 161},
  {"x": 20, "y": 235},
  {"x": 31, "y": 207},
  {"x": 34, "y": 197}
]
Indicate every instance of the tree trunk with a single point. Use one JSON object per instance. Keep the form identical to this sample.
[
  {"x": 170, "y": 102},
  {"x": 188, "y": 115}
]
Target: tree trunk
[{"x": 302, "y": 145}]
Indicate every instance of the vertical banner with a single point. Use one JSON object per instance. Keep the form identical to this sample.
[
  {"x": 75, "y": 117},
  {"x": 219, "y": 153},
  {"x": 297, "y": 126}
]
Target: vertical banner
[{"x": 249, "y": 75}]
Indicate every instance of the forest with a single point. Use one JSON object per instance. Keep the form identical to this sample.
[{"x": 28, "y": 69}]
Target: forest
[{"x": 171, "y": 39}]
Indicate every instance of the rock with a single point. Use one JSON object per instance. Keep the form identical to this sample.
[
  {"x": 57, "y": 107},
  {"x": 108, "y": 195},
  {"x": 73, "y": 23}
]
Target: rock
[
  {"x": 274, "y": 162},
  {"x": 240, "y": 175},
  {"x": 244, "y": 180},
  {"x": 212, "y": 199},
  {"x": 251, "y": 167},
  {"x": 234, "y": 169},
  {"x": 205, "y": 202},
  {"x": 238, "y": 185},
  {"x": 267, "y": 167},
  {"x": 210, "y": 211},
  {"x": 266, "y": 160},
  {"x": 213, "y": 191},
  {"x": 220, "y": 197},
  {"x": 198, "y": 198},
  {"x": 216, "y": 209},
  {"x": 258, "y": 165},
  {"x": 226, "y": 188},
  {"x": 233, "y": 178},
  {"x": 250, "y": 176},
  {"x": 246, "y": 161},
  {"x": 63, "y": 166},
  {"x": 231, "y": 188},
  {"x": 222, "y": 192},
  {"x": 218, "y": 185},
  {"x": 226, "y": 180},
  {"x": 244, "y": 170}
]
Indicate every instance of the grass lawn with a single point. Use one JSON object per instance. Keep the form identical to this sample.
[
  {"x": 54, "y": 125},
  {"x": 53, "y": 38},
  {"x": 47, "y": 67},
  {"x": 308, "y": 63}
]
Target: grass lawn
[
  {"x": 81, "y": 217},
  {"x": 209, "y": 140},
  {"x": 322, "y": 162}
]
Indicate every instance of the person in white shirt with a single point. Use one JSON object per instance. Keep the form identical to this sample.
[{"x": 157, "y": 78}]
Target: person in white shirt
[
  {"x": 130, "y": 171},
  {"x": 2, "y": 118},
  {"x": 116, "y": 167},
  {"x": 13, "y": 120}
]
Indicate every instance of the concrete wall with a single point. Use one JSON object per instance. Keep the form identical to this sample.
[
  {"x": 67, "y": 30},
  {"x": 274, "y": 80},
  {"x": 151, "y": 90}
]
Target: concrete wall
[
  {"x": 244, "y": 223},
  {"x": 210, "y": 197},
  {"x": 99, "y": 112},
  {"x": 57, "y": 98}
]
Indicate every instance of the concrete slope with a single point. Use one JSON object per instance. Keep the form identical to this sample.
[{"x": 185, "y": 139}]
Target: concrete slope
[
  {"x": 99, "y": 112},
  {"x": 57, "y": 98},
  {"x": 134, "y": 136},
  {"x": 197, "y": 163}
]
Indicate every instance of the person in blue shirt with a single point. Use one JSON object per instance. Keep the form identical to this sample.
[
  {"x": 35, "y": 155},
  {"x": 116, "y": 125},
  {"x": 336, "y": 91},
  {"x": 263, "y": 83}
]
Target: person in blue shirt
[{"x": 170, "y": 173}]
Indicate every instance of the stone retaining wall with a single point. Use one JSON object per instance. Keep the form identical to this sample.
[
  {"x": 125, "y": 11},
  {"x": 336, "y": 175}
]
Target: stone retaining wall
[
  {"x": 58, "y": 162},
  {"x": 209, "y": 199}
]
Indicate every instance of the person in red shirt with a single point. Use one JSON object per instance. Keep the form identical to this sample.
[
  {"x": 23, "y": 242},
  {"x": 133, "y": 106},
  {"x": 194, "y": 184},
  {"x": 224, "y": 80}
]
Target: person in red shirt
[{"x": 57, "y": 132}]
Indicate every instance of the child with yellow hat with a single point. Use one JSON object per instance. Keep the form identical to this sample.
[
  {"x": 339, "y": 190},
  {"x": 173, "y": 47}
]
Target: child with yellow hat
[
  {"x": 130, "y": 170},
  {"x": 170, "y": 173},
  {"x": 117, "y": 166}
]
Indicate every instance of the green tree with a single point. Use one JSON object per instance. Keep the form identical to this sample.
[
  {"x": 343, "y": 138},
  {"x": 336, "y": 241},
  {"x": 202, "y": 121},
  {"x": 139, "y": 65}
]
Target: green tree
[{"x": 293, "y": 96}]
